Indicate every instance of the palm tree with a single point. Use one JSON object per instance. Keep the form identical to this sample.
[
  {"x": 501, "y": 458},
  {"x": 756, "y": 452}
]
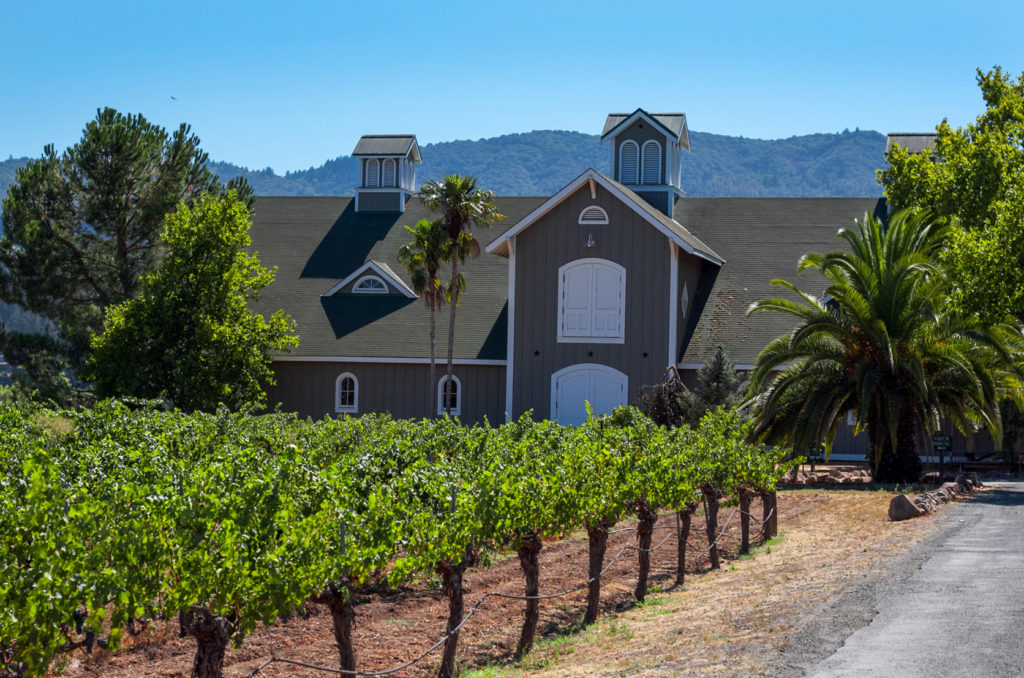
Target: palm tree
[
  {"x": 884, "y": 344},
  {"x": 461, "y": 205},
  {"x": 422, "y": 258}
]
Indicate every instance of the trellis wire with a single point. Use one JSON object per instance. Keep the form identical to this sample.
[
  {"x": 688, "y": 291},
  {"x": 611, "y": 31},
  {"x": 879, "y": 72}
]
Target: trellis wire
[{"x": 478, "y": 603}]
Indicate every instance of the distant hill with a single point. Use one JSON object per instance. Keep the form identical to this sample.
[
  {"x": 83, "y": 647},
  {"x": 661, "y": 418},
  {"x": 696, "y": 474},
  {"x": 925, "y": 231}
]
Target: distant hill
[{"x": 541, "y": 162}]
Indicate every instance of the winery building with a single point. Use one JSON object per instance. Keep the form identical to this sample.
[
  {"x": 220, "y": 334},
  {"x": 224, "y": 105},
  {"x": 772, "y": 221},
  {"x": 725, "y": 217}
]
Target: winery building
[{"x": 586, "y": 295}]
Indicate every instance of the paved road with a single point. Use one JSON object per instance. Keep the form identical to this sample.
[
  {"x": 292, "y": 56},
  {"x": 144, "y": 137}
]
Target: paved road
[{"x": 961, "y": 613}]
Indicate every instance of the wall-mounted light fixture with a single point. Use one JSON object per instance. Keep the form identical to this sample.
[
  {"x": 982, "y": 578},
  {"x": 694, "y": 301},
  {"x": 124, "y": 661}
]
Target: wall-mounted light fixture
[{"x": 590, "y": 240}]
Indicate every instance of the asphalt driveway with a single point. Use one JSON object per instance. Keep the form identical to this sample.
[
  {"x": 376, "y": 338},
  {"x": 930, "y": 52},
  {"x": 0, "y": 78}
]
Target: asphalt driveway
[{"x": 956, "y": 607}]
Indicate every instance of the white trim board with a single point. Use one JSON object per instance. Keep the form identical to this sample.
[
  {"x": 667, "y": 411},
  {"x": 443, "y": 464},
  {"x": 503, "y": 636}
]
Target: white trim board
[
  {"x": 499, "y": 245},
  {"x": 683, "y": 138},
  {"x": 383, "y": 270},
  {"x": 698, "y": 366},
  {"x": 382, "y": 360}
]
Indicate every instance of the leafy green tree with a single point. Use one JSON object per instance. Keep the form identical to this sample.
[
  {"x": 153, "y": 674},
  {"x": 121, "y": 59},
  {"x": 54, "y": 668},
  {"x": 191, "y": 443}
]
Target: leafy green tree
[
  {"x": 422, "y": 258},
  {"x": 887, "y": 347},
  {"x": 974, "y": 177},
  {"x": 671, "y": 404},
  {"x": 81, "y": 228},
  {"x": 189, "y": 336},
  {"x": 462, "y": 206}
]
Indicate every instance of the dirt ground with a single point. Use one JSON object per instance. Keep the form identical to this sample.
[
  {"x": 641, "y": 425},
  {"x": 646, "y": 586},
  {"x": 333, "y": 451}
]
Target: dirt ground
[{"x": 731, "y": 619}]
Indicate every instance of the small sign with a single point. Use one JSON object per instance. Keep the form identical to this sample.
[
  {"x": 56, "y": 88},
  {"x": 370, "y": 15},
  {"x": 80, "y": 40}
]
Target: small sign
[
  {"x": 941, "y": 443},
  {"x": 814, "y": 456}
]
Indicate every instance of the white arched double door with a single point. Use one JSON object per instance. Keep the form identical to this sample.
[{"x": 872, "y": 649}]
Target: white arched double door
[{"x": 574, "y": 386}]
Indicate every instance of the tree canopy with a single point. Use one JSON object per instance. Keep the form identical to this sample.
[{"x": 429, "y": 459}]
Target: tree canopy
[
  {"x": 974, "y": 177},
  {"x": 189, "y": 336},
  {"x": 81, "y": 228},
  {"x": 886, "y": 346}
]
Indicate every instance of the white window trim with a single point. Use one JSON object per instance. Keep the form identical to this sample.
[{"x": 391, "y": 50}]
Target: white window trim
[
  {"x": 563, "y": 339},
  {"x": 458, "y": 395},
  {"x": 354, "y": 407},
  {"x": 587, "y": 222},
  {"x": 379, "y": 269},
  {"x": 356, "y": 290},
  {"x": 611, "y": 371},
  {"x": 375, "y": 164},
  {"x": 643, "y": 164},
  {"x": 394, "y": 173},
  {"x": 622, "y": 147}
]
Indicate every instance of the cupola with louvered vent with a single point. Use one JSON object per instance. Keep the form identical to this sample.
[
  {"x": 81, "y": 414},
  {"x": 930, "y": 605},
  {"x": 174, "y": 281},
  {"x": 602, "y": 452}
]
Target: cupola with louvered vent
[
  {"x": 647, "y": 153},
  {"x": 387, "y": 171}
]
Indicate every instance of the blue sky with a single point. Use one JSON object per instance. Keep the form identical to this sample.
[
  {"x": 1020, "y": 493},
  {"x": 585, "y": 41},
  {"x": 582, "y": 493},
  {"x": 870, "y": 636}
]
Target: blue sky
[{"x": 291, "y": 84}]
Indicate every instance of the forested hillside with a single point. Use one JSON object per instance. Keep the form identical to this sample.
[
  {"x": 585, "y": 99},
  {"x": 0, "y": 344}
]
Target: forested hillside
[{"x": 541, "y": 162}]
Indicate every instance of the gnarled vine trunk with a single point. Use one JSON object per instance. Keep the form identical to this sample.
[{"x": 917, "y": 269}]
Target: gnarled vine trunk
[
  {"x": 711, "y": 496},
  {"x": 212, "y": 634},
  {"x": 451, "y": 575},
  {"x": 529, "y": 552},
  {"x": 683, "y": 522},
  {"x": 337, "y": 600},
  {"x": 597, "y": 535},
  {"x": 644, "y": 534},
  {"x": 744, "y": 497}
]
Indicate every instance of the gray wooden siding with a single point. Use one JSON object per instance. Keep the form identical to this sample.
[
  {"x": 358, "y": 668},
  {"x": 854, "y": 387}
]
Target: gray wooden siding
[
  {"x": 556, "y": 239},
  {"x": 689, "y": 278},
  {"x": 640, "y": 135},
  {"x": 657, "y": 199},
  {"x": 401, "y": 389},
  {"x": 380, "y": 202}
]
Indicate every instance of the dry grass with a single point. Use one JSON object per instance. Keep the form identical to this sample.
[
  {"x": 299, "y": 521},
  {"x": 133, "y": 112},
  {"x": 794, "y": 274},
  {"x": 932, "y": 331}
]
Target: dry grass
[{"x": 735, "y": 622}]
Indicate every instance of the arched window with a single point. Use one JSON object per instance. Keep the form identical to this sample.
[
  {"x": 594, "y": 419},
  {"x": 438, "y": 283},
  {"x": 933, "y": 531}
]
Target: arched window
[
  {"x": 372, "y": 173},
  {"x": 592, "y": 302},
  {"x": 593, "y": 215},
  {"x": 629, "y": 156},
  {"x": 370, "y": 284},
  {"x": 346, "y": 393},
  {"x": 651, "y": 163},
  {"x": 449, "y": 394},
  {"x": 388, "y": 173}
]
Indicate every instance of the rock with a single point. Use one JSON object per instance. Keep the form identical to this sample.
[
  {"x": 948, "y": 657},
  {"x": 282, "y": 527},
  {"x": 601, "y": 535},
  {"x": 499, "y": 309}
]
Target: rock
[
  {"x": 973, "y": 477},
  {"x": 963, "y": 484},
  {"x": 931, "y": 478},
  {"x": 901, "y": 508}
]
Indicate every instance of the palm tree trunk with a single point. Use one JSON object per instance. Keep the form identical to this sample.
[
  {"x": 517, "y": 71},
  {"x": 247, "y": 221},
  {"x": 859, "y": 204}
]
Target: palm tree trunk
[
  {"x": 432, "y": 386},
  {"x": 451, "y": 332}
]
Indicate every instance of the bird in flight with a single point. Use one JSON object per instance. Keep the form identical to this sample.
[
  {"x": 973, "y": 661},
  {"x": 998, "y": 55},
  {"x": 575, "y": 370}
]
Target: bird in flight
[{"x": 174, "y": 98}]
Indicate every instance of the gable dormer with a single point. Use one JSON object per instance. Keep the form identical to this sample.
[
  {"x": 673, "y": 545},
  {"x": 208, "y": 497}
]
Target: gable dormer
[
  {"x": 647, "y": 150},
  {"x": 387, "y": 171}
]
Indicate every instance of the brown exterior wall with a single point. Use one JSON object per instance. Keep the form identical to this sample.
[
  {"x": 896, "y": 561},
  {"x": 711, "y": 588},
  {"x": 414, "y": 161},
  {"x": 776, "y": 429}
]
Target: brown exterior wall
[
  {"x": 401, "y": 389},
  {"x": 556, "y": 239}
]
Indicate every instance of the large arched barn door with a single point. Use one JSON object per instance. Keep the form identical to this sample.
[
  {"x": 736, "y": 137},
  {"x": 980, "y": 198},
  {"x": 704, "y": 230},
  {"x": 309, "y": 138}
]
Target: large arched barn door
[{"x": 574, "y": 386}]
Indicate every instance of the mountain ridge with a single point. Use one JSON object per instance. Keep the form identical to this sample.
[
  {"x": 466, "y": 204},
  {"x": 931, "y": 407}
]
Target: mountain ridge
[{"x": 540, "y": 162}]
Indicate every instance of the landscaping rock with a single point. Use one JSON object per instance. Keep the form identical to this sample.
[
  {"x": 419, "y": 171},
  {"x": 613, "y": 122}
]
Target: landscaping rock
[
  {"x": 901, "y": 508},
  {"x": 963, "y": 484}
]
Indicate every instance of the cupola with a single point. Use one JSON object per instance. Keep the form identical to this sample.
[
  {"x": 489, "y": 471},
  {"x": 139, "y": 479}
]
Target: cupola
[
  {"x": 387, "y": 171},
  {"x": 647, "y": 151}
]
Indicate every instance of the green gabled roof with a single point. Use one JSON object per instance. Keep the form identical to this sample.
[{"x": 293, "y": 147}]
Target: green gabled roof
[
  {"x": 317, "y": 241},
  {"x": 669, "y": 223},
  {"x": 760, "y": 239},
  {"x": 387, "y": 144}
]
